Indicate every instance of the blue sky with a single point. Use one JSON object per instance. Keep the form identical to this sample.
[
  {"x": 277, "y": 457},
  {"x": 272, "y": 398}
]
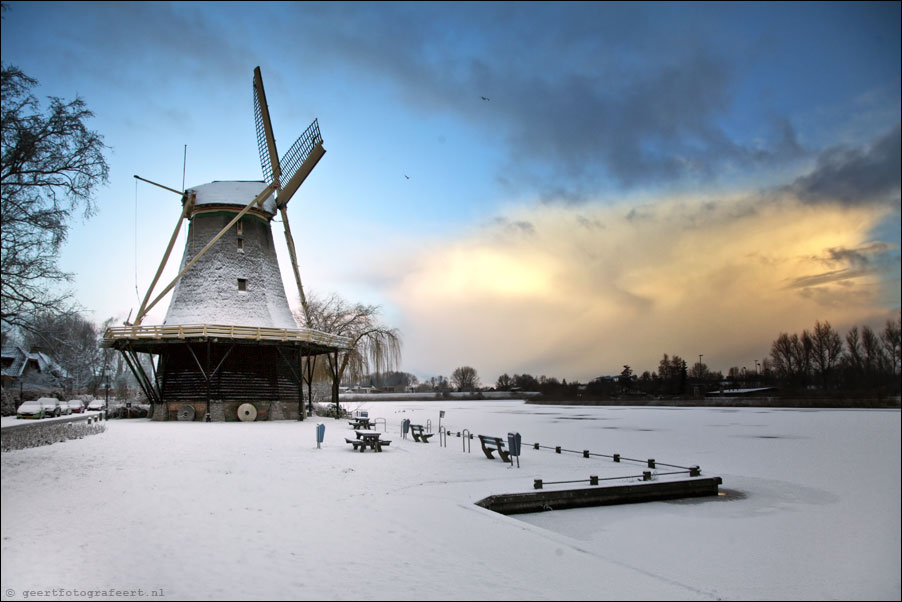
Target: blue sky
[{"x": 644, "y": 178}]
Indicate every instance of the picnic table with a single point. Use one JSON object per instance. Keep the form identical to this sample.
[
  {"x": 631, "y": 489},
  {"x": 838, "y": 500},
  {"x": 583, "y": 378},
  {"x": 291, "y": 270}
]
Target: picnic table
[
  {"x": 362, "y": 423},
  {"x": 418, "y": 435},
  {"x": 371, "y": 439}
]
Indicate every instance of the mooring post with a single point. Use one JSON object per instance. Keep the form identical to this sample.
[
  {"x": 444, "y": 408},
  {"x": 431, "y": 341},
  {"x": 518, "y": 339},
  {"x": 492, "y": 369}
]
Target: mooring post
[
  {"x": 593, "y": 480},
  {"x": 651, "y": 462},
  {"x": 585, "y": 453},
  {"x": 694, "y": 471},
  {"x": 537, "y": 484},
  {"x": 616, "y": 457},
  {"x": 535, "y": 446},
  {"x": 646, "y": 475},
  {"x": 557, "y": 449}
]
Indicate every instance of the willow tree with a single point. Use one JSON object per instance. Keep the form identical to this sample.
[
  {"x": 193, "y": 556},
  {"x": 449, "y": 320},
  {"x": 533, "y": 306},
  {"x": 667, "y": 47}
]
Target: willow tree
[{"x": 374, "y": 348}]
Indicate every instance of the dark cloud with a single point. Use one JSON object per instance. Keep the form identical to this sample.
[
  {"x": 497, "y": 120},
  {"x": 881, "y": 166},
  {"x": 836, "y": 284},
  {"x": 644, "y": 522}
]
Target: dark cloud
[
  {"x": 855, "y": 176},
  {"x": 590, "y": 223},
  {"x": 516, "y": 226},
  {"x": 833, "y": 276},
  {"x": 858, "y": 258},
  {"x": 605, "y": 95},
  {"x": 850, "y": 264}
]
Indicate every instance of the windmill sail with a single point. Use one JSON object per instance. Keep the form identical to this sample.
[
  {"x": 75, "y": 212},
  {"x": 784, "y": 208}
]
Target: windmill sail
[{"x": 302, "y": 148}]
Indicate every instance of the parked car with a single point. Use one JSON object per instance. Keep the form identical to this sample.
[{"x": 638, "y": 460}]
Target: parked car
[
  {"x": 65, "y": 408},
  {"x": 77, "y": 406},
  {"x": 30, "y": 409},
  {"x": 97, "y": 405},
  {"x": 51, "y": 406}
]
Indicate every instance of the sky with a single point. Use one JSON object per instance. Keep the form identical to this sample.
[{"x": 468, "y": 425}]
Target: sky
[{"x": 557, "y": 189}]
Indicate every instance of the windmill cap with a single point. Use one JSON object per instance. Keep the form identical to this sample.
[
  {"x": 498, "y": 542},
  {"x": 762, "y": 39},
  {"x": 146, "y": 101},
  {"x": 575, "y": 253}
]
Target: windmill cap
[{"x": 232, "y": 194}]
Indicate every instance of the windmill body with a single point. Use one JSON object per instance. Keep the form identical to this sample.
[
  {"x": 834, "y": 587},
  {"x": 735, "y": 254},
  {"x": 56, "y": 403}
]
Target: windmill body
[
  {"x": 238, "y": 280},
  {"x": 229, "y": 347}
]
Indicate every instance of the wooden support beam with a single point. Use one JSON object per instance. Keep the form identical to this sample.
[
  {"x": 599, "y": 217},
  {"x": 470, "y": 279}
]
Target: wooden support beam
[
  {"x": 186, "y": 211},
  {"x": 292, "y": 253},
  {"x": 178, "y": 192}
]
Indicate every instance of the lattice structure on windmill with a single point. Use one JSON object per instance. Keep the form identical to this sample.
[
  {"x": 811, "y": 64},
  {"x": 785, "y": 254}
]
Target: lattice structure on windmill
[{"x": 229, "y": 347}]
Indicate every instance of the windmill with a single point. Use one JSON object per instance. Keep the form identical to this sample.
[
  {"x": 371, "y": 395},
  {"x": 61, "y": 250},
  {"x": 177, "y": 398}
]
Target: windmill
[{"x": 229, "y": 347}]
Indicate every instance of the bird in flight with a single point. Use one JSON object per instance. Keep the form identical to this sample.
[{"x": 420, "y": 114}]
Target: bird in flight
[
  {"x": 406, "y": 176},
  {"x": 484, "y": 97}
]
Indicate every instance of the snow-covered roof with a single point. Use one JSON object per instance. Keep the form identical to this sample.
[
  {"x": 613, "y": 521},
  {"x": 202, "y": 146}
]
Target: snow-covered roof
[
  {"x": 47, "y": 363},
  {"x": 19, "y": 358},
  {"x": 238, "y": 193}
]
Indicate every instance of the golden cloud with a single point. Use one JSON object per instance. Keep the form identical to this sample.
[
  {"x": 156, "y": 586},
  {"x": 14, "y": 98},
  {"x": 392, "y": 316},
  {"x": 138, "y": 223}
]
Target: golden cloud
[{"x": 575, "y": 292}]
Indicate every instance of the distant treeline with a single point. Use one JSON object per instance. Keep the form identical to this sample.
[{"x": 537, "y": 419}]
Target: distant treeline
[
  {"x": 816, "y": 364},
  {"x": 813, "y": 364}
]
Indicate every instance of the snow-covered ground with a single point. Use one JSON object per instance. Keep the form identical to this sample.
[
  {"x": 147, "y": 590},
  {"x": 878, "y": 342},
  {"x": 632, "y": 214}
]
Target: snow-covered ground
[{"x": 238, "y": 511}]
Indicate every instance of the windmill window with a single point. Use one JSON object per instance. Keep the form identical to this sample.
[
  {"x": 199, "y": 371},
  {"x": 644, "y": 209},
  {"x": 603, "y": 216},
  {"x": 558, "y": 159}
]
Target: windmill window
[
  {"x": 242, "y": 285},
  {"x": 241, "y": 245},
  {"x": 240, "y": 227}
]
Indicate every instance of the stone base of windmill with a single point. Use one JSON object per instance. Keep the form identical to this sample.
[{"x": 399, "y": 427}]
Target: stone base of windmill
[{"x": 217, "y": 412}]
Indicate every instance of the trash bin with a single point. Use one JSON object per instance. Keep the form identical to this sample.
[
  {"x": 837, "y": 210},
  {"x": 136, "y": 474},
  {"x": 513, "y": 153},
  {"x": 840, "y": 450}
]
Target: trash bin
[{"x": 513, "y": 446}]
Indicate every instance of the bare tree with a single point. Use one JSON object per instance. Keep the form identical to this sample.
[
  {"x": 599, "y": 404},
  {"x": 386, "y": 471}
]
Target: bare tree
[
  {"x": 71, "y": 341},
  {"x": 374, "y": 348},
  {"x": 872, "y": 354},
  {"x": 891, "y": 337},
  {"x": 51, "y": 165},
  {"x": 853, "y": 357},
  {"x": 465, "y": 378},
  {"x": 504, "y": 382},
  {"x": 786, "y": 353},
  {"x": 827, "y": 349}
]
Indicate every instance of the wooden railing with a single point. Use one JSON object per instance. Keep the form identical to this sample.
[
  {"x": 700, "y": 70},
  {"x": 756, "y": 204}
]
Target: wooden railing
[{"x": 247, "y": 333}]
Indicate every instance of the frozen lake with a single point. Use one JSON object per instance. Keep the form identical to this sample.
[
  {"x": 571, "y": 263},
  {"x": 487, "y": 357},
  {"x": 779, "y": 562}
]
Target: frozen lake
[{"x": 811, "y": 508}]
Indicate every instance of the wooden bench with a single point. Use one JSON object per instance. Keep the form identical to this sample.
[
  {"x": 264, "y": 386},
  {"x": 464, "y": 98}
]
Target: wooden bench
[
  {"x": 418, "y": 435},
  {"x": 494, "y": 444}
]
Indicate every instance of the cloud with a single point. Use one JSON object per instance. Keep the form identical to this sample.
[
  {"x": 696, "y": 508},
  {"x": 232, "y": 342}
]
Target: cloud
[
  {"x": 606, "y": 96},
  {"x": 855, "y": 176},
  {"x": 697, "y": 275}
]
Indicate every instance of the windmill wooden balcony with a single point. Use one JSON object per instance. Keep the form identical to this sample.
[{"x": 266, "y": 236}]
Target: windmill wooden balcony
[{"x": 151, "y": 339}]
